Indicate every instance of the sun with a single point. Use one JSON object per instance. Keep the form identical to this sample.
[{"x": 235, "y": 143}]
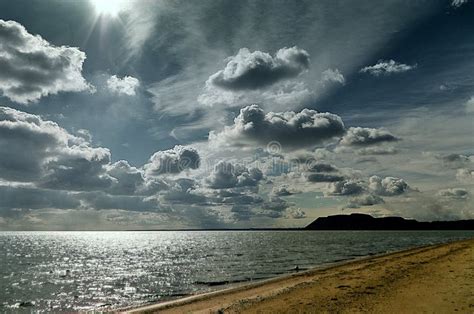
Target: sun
[{"x": 108, "y": 7}]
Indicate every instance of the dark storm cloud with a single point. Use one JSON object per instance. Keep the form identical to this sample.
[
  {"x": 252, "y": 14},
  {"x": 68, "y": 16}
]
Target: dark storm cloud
[
  {"x": 228, "y": 175},
  {"x": 253, "y": 70},
  {"x": 288, "y": 129},
  {"x": 172, "y": 161},
  {"x": 367, "y": 136},
  {"x": 30, "y": 67}
]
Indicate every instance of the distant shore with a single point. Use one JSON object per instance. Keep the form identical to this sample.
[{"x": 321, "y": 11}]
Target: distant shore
[{"x": 437, "y": 278}]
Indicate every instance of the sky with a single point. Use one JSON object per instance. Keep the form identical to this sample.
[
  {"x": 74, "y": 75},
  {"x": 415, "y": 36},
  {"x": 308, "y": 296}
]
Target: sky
[{"x": 140, "y": 114}]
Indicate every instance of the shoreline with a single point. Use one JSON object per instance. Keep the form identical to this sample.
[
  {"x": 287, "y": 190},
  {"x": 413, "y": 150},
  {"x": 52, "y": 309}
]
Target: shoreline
[{"x": 262, "y": 294}]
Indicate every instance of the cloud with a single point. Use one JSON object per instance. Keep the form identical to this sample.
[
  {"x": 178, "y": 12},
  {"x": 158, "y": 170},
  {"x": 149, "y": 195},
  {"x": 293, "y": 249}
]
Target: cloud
[
  {"x": 454, "y": 193},
  {"x": 282, "y": 190},
  {"x": 275, "y": 204},
  {"x": 323, "y": 177},
  {"x": 377, "y": 150},
  {"x": 296, "y": 213},
  {"x": 254, "y": 70},
  {"x": 367, "y": 136},
  {"x": 346, "y": 187},
  {"x": 458, "y": 3},
  {"x": 288, "y": 129},
  {"x": 470, "y": 105},
  {"x": 319, "y": 167},
  {"x": 21, "y": 197},
  {"x": 387, "y": 68},
  {"x": 364, "y": 200},
  {"x": 128, "y": 180},
  {"x": 31, "y": 68},
  {"x": 228, "y": 175},
  {"x": 465, "y": 175},
  {"x": 454, "y": 161},
  {"x": 388, "y": 186},
  {"x": 126, "y": 85},
  {"x": 172, "y": 161},
  {"x": 35, "y": 150},
  {"x": 334, "y": 76}
]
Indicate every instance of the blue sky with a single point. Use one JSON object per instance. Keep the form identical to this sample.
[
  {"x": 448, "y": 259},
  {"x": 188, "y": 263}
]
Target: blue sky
[{"x": 160, "y": 114}]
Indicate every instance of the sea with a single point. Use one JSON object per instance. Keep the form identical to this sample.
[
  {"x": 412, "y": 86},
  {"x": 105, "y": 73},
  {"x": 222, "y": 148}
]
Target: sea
[{"x": 94, "y": 271}]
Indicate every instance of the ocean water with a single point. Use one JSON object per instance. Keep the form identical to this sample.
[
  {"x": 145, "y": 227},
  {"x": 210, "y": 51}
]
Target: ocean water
[{"x": 78, "y": 271}]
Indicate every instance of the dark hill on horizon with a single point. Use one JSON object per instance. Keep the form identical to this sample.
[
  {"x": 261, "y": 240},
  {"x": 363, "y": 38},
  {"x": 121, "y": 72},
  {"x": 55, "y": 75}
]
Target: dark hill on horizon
[{"x": 367, "y": 222}]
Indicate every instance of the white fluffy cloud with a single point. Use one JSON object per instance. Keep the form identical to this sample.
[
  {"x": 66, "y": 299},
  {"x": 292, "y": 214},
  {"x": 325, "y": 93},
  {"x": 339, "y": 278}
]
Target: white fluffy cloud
[
  {"x": 470, "y": 105},
  {"x": 367, "y": 136},
  {"x": 335, "y": 76},
  {"x": 387, "y": 67},
  {"x": 172, "y": 161},
  {"x": 31, "y": 68},
  {"x": 388, "y": 186},
  {"x": 465, "y": 175},
  {"x": 287, "y": 129},
  {"x": 126, "y": 85},
  {"x": 253, "y": 70},
  {"x": 228, "y": 175}
]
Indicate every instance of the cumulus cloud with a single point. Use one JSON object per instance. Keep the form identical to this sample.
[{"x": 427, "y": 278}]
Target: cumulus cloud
[
  {"x": 253, "y": 70},
  {"x": 282, "y": 190},
  {"x": 388, "y": 186},
  {"x": 319, "y": 167},
  {"x": 35, "y": 150},
  {"x": 454, "y": 160},
  {"x": 346, "y": 187},
  {"x": 288, "y": 129},
  {"x": 172, "y": 161},
  {"x": 228, "y": 175},
  {"x": 454, "y": 193},
  {"x": 465, "y": 175},
  {"x": 387, "y": 68},
  {"x": 126, "y": 85},
  {"x": 323, "y": 177},
  {"x": 128, "y": 180},
  {"x": 334, "y": 76},
  {"x": 470, "y": 105},
  {"x": 31, "y": 68},
  {"x": 367, "y": 136},
  {"x": 364, "y": 200},
  {"x": 275, "y": 203},
  {"x": 296, "y": 213}
]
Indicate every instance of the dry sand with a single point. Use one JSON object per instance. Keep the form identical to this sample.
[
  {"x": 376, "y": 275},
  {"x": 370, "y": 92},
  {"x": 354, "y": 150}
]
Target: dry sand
[{"x": 433, "y": 279}]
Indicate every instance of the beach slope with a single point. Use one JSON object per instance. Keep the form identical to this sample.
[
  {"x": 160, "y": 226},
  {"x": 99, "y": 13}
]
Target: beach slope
[{"x": 438, "y": 278}]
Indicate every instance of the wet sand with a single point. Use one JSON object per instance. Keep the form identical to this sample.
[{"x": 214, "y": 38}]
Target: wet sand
[{"x": 433, "y": 279}]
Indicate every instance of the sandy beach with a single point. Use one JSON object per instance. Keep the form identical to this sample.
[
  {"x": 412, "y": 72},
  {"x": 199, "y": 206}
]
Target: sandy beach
[{"x": 438, "y": 278}]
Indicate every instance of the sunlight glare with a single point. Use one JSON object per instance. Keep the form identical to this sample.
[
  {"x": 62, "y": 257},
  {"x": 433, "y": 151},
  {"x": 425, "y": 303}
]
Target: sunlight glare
[{"x": 108, "y": 7}]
